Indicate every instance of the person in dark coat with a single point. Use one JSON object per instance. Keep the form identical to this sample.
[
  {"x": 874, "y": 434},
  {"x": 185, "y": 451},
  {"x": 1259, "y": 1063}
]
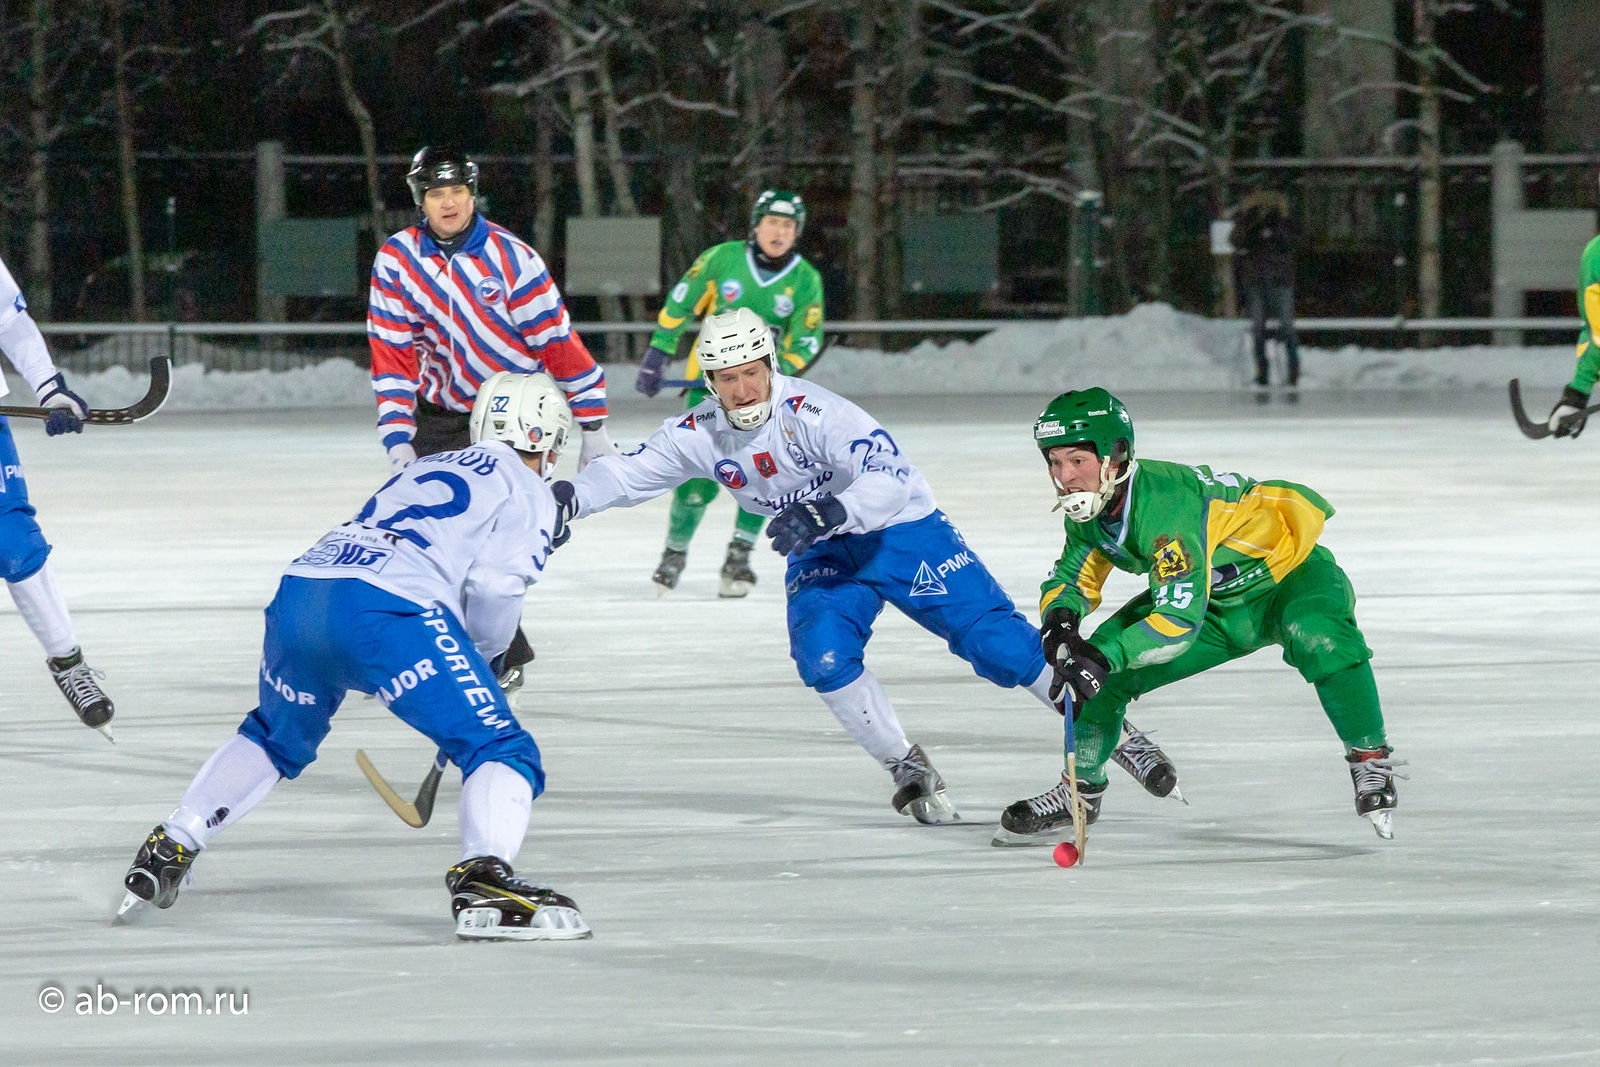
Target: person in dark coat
[{"x": 1264, "y": 238}]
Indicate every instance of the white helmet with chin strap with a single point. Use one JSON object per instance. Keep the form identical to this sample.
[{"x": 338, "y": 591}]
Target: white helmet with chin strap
[
  {"x": 529, "y": 412},
  {"x": 732, "y": 339}
]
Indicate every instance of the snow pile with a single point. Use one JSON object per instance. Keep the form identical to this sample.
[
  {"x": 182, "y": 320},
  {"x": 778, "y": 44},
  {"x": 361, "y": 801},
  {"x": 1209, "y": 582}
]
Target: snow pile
[{"x": 1152, "y": 348}]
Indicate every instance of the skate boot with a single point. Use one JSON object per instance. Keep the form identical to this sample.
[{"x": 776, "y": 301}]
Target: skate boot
[
  {"x": 1143, "y": 758},
  {"x": 1047, "y": 818},
  {"x": 737, "y": 577},
  {"x": 491, "y": 903},
  {"x": 511, "y": 679},
  {"x": 669, "y": 569},
  {"x": 1373, "y": 773},
  {"x": 921, "y": 789},
  {"x": 159, "y": 869},
  {"x": 77, "y": 682}
]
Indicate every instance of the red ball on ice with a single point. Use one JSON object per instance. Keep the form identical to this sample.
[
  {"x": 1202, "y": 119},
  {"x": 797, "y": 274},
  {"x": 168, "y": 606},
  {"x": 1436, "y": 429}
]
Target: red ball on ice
[{"x": 1066, "y": 854}]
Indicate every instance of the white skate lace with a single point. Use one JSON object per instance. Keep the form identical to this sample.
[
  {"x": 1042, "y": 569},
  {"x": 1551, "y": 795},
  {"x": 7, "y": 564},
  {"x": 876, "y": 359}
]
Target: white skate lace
[
  {"x": 1050, "y": 803},
  {"x": 910, "y": 767},
  {"x": 1372, "y": 775},
  {"x": 1140, "y": 753},
  {"x": 78, "y": 683}
]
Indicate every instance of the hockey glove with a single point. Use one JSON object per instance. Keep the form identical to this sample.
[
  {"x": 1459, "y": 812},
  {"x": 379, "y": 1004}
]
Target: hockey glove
[
  {"x": 401, "y": 456},
  {"x": 1080, "y": 668},
  {"x": 650, "y": 369},
  {"x": 566, "y": 506},
  {"x": 595, "y": 442},
  {"x": 799, "y": 526},
  {"x": 68, "y": 408},
  {"x": 1567, "y": 418}
]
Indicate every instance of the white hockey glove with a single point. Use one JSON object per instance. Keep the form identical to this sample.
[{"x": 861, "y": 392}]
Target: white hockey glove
[
  {"x": 68, "y": 408},
  {"x": 596, "y": 442},
  {"x": 401, "y": 456}
]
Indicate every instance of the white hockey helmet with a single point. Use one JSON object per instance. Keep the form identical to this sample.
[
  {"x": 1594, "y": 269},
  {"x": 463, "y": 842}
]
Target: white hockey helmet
[
  {"x": 527, "y": 411},
  {"x": 732, "y": 339}
]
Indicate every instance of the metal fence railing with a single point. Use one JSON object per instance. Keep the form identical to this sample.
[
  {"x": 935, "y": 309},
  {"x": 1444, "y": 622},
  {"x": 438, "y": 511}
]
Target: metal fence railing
[{"x": 249, "y": 346}]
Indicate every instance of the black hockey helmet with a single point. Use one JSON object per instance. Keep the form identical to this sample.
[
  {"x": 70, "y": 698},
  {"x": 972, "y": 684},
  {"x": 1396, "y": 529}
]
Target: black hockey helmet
[{"x": 435, "y": 166}]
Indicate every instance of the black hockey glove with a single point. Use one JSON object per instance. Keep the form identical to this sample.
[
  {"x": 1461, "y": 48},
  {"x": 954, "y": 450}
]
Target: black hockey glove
[
  {"x": 1567, "y": 417},
  {"x": 566, "y": 506},
  {"x": 650, "y": 368},
  {"x": 1079, "y": 668},
  {"x": 799, "y": 526}
]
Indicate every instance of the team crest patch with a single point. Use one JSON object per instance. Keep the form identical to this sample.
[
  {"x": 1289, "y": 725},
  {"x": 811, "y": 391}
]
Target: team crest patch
[
  {"x": 783, "y": 305},
  {"x": 813, "y": 316},
  {"x": 490, "y": 291},
  {"x": 731, "y": 290},
  {"x": 764, "y": 464},
  {"x": 1171, "y": 561},
  {"x": 687, "y": 422},
  {"x": 794, "y": 402},
  {"x": 730, "y": 474}
]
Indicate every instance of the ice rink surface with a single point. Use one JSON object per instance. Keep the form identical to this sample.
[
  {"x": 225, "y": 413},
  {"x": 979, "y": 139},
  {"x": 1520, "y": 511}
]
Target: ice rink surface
[{"x": 754, "y": 898}]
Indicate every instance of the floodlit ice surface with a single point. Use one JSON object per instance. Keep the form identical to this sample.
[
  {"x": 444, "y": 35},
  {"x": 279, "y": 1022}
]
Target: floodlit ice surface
[{"x": 752, "y": 894}]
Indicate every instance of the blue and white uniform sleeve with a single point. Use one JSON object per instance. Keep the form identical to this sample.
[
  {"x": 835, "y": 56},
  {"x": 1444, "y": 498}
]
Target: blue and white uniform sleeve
[
  {"x": 511, "y": 560},
  {"x": 854, "y": 442},
  {"x": 646, "y": 472},
  {"x": 20, "y": 338}
]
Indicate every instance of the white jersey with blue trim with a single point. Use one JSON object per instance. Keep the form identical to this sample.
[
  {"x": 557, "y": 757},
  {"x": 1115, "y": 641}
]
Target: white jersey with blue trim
[
  {"x": 816, "y": 443},
  {"x": 20, "y": 338},
  {"x": 470, "y": 530}
]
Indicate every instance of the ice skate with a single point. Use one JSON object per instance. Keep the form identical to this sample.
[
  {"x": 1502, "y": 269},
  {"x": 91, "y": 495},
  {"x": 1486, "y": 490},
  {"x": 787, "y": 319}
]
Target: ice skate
[
  {"x": 1047, "y": 818},
  {"x": 921, "y": 793},
  {"x": 159, "y": 870},
  {"x": 490, "y": 903},
  {"x": 1373, "y": 773},
  {"x": 79, "y": 683},
  {"x": 737, "y": 577},
  {"x": 511, "y": 679},
  {"x": 669, "y": 570},
  {"x": 1143, "y": 758}
]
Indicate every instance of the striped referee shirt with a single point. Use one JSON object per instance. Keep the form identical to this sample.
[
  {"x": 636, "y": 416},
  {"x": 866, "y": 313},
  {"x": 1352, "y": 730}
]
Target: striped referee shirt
[{"x": 439, "y": 325}]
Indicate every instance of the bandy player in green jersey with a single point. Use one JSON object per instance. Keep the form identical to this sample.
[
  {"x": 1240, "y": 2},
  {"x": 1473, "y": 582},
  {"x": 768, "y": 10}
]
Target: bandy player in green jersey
[
  {"x": 767, "y": 275},
  {"x": 1234, "y": 566},
  {"x": 1567, "y": 418}
]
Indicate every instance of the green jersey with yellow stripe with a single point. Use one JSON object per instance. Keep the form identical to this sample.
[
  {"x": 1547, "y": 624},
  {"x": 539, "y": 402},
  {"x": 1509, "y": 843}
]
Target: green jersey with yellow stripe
[
  {"x": 1588, "y": 370},
  {"x": 1206, "y": 539},
  {"x": 726, "y": 277}
]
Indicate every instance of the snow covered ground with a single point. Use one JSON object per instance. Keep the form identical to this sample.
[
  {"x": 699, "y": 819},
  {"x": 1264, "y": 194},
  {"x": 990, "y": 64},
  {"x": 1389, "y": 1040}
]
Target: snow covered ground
[{"x": 753, "y": 896}]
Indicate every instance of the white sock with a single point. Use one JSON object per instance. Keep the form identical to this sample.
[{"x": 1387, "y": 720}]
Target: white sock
[
  {"x": 862, "y": 708},
  {"x": 494, "y": 812},
  {"x": 235, "y": 779},
  {"x": 44, "y": 609},
  {"x": 1040, "y": 687}
]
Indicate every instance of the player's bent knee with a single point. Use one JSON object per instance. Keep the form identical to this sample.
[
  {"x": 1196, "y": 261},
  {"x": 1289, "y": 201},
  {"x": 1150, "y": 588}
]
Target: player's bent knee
[
  {"x": 23, "y": 549},
  {"x": 1006, "y": 653},
  {"x": 519, "y": 752},
  {"x": 1320, "y": 648}
]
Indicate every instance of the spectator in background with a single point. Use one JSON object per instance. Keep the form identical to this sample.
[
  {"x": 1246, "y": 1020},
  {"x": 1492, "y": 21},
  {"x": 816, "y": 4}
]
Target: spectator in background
[{"x": 1263, "y": 239}]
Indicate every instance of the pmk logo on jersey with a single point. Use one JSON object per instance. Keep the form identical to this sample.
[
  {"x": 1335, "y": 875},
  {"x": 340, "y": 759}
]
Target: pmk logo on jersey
[
  {"x": 794, "y": 402},
  {"x": 764, "y": 464},
  {"x": 490, "y": 291},
  {"x": 687, "y": 422},
  {"x": 731, "y": 290},
  {"x": 731, "y": 474}
]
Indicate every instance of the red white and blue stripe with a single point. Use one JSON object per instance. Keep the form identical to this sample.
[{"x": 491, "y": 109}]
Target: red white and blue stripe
[{"x": 439, "y": 325}]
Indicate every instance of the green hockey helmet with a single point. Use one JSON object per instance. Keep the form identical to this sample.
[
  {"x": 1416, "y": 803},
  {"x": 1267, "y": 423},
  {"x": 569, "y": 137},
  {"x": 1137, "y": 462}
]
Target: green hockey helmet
[
  {"x": 1086, "y": 417},
  {"x": 782, "y": 203},
  {"x": 1095, "y": 418}
]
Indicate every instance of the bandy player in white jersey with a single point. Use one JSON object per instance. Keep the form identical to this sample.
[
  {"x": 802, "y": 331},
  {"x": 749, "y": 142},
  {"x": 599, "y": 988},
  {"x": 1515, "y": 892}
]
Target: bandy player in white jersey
[
  {"x": 859, "y": 526},
  {"x": 24, "y": 553},
  {"x": 412, "y": 600}
]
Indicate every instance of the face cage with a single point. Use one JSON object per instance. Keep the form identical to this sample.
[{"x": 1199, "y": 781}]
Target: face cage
[{"x": 772, "y": 387}]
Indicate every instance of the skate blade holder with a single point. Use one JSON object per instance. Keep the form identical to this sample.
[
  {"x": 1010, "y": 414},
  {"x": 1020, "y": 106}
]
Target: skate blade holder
[{"x": 547, "y": 924}]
